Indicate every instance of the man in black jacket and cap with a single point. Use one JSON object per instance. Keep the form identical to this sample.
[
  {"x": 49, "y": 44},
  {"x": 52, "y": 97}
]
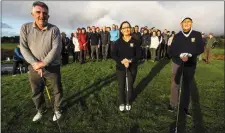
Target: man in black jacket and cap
[{"x": 186, "y": 41}]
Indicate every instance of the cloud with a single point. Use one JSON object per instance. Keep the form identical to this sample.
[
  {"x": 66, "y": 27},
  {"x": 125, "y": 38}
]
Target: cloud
[
  {"x": 5, "y": 26},
  {"x": 208, "y": 16}
]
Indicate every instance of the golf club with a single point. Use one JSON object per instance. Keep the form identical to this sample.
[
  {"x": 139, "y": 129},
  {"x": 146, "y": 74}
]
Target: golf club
[
  {"x": 128, "y": 107},
  {"x": 180, "y": 90},
  {"x": 49, "y": 97}
]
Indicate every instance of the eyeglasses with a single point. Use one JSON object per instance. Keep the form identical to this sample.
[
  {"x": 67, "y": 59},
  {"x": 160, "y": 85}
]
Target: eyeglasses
[{"x": 126, "y": 28}]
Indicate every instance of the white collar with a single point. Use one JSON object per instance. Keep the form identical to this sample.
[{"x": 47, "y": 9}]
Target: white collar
[{"x": 186, "y": 35}]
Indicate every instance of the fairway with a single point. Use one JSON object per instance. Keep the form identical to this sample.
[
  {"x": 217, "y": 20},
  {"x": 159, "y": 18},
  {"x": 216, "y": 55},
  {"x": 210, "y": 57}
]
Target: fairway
[{"x": 90, "y": 101}]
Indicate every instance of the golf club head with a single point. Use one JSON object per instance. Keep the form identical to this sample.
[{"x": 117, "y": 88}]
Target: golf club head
[{"x": 128, "y": 107}]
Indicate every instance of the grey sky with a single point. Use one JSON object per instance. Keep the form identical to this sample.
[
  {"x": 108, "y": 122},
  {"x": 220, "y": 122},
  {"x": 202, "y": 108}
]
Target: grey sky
[{"x": 208, "y": 16}]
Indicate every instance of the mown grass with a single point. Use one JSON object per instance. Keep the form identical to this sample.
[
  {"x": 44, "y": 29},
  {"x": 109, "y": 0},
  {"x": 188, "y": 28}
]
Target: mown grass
[
  {"x": 9, "y": 46},
  {"x": 90, "y": 101}
]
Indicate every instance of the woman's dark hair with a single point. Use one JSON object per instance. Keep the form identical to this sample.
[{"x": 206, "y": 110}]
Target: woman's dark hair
[
  {"x": 121, "y": 34},
  {"x": 159, "y": 32},
  {"x": 83, "y": 29}
]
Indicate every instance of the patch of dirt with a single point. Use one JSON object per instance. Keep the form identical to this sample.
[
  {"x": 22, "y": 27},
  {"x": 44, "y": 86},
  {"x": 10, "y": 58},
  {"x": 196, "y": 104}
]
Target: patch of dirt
[{"x": 219, "y": 56}]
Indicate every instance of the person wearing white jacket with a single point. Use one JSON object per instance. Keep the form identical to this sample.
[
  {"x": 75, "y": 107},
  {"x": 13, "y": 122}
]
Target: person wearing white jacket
[
  {"x": 154, "y": 45},
  {"x": 76, "y": 46}
]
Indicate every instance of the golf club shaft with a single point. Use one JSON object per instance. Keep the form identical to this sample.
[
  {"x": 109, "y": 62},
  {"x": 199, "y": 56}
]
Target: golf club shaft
[
  {"x": 49, "y": 97},
  {"x": 180, "y": 92},
  {"x": 127, "y": 87}
]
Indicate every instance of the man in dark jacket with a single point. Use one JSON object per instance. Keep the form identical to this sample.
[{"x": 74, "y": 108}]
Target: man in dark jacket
[
  {"x": 65, "y": 49},
  {"x": 137, "y": 35},
  {"x": 165, "y": 38},
  {"x": 146, "y": 41},
  {"x": 105, "y": 40},
  {"x": 95, "y": 43},
  {"x": 186, "y": 41}
]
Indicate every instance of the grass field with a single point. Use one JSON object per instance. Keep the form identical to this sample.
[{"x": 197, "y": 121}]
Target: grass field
[
  {"x": 9, "y": 46},
  {"x": 90, "y": 101}
]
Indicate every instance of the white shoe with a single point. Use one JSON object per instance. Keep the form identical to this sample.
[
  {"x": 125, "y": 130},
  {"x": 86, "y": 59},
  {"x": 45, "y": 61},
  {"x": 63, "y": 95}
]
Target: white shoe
[
  {"x": 121, "y": 107},
  {"x": 57, "y": 115},
  {"x": 128, "y": 107},
  {"x": 37, "y": 117}
]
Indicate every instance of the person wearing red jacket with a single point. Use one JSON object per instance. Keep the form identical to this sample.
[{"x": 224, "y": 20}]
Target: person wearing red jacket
[{"x": 83, "y": 40}]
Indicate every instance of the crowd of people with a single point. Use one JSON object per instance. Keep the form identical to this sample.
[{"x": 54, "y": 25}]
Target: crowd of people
[{"x": 97, "y": 43}]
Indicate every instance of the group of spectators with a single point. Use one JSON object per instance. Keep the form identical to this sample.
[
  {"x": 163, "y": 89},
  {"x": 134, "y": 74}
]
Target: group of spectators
[{"x": 96, "y": 43}]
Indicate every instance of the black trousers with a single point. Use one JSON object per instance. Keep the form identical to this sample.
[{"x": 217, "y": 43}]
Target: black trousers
[
  {"x": 77, "y": 55},
  {"x": 83, "y": 55},
  {"x": 16, "y": 65},
  {"x": 122, "y": 90},
  {"x": 145, "y": 52},
  {"x": 105, "y": 49},
  {"x": 188, "y": 79},
  {"x": 65, "y": 58}
]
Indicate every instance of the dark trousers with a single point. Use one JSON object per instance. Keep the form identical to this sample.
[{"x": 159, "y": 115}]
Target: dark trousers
[
  {"x": 163, "y": 50},
  {"x": 105, "y": 49},
  {"x": 65, "y": 58},
  {"x": 145, "y": 52},
  {"x": 94, "y": 49},
  {"x": 89, "y": 50},
  {"x": 83, "y": 55},
  {"x": 112, "y": 44},
  {"x": 208, "y": 55},
  {"x": 52, "y": 77},
  {"x": 77, "y": 56},
  {"x": 16, "y": 65},
  {"x": 158, "y": 52},
  {"x": 73, "y": 54},
  {"x": 122, "y": 90},
  {"x": 188, "y": 77}
]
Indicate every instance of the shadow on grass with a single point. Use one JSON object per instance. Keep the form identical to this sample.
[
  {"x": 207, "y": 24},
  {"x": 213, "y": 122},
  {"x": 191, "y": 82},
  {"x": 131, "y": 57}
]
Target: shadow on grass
[
  {"x": 198, "y": 124},
  {"x": 146, "y": 80},
  {"x": 86, "y": 92},
  {"x": 80, "y": 96}
]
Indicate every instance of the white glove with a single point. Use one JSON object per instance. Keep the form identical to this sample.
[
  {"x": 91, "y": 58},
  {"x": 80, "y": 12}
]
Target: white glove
[{"x": 185, "y": 55}]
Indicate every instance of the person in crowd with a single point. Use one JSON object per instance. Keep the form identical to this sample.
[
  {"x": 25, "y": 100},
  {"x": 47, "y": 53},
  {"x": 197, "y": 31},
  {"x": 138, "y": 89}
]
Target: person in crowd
[
  {"x": 146, "y": 40},
  {"x": 65, "y": 48},
  {"x": 105, "y": 39},
  {"x": 137, "y": 35},
  {"x": 153, "y": 46},
  {"x": 17, "y": 60},
  {"x": 208, "y": 48},
  {"x": 76, "y": 46},
  {"x": 95, "y": 43},
  {"x": 160, "y": 47},
  {"x": 83, "y": 40}
]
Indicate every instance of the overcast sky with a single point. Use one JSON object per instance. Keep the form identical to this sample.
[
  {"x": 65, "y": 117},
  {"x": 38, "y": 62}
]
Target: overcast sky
[{"x": 208, "y": 16}]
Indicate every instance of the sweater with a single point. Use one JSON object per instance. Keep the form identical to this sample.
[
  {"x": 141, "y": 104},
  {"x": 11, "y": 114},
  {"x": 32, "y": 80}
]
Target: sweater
[
  {"x": 192, "y": 44},
  {"x": 130, "y": 50}
]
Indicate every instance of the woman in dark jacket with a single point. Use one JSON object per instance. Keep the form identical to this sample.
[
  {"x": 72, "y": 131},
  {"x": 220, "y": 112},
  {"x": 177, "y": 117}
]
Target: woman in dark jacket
[
  {"x": 146, "y": 40},
  {"x": 126, "y": 53},
  {"x": 160, "y": 47}
]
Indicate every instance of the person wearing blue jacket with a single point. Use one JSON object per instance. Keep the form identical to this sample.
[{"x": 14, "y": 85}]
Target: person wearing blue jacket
[
  {"x": 114, "y": 36},
  {"x": 18, "y": 59}
]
